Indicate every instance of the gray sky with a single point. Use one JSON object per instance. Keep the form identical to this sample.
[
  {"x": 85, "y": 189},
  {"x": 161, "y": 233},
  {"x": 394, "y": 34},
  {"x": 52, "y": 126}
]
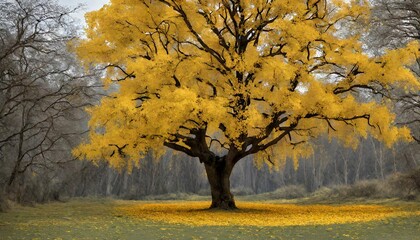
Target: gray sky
[{"x": 89, "y": 5}]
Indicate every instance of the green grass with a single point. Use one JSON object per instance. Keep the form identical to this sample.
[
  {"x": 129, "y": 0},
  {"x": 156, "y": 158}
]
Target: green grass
[{"x": 97, "y": 219}]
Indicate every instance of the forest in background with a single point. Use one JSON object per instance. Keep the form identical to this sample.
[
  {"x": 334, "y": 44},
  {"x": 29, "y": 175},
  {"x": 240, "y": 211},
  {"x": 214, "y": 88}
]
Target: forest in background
[{"x": 44, "y": 92}]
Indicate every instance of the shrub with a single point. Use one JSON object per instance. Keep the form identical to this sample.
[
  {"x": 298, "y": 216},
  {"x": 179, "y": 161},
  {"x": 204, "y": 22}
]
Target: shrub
[
  {"x": 242, "y": 191},
  {"x": 405, "y": 186},
  {"x": 289, "y": 192},
  {"x": 362, "y": 189}
]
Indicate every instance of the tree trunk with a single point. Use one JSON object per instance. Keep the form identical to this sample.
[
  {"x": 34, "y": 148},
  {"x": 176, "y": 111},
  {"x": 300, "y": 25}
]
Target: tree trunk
[
  {"x": 20, "y": 150},
  {"x": 218, "y": 175}
]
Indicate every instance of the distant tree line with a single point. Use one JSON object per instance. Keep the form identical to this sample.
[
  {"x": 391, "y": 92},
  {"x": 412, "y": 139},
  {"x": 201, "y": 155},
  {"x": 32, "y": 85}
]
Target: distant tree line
[{"x": 331, "y": 165}]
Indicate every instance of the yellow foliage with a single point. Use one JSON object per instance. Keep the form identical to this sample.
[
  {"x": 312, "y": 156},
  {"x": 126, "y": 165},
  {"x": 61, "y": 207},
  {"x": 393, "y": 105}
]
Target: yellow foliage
[{"x": 191, "y": 65}]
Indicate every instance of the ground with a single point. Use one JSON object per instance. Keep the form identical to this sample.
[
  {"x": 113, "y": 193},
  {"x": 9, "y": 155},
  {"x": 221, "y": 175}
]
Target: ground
[{"x": 117, "y": 219}]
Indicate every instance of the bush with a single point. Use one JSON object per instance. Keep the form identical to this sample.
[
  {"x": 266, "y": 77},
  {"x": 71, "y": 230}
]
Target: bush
[
  {"x": 242, "y": 191},
  {"x": 362, "y": 189},
  {"x": 288, "y": 192},
  {"x": 405, "y": 186}
]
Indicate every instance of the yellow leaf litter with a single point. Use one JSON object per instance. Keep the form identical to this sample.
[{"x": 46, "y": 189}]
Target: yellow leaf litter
[{"x": 260, "y": 214}]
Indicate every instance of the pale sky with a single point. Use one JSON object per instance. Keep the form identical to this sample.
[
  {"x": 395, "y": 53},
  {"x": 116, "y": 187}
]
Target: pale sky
[{"x": 89, "y": 5}]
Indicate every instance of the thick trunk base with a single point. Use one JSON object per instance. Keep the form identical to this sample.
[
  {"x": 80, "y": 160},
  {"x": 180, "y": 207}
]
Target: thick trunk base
[
  {"x": 227, "y": 203},
  {"x": 218, "y": 176}
]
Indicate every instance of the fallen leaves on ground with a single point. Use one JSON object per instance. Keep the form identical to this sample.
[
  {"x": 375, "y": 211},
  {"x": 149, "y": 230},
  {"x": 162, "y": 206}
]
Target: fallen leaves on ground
[{"x": 260, "y": 214}]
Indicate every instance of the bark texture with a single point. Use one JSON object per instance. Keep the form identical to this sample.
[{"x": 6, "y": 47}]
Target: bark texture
[{"x": 218, "y": 174}]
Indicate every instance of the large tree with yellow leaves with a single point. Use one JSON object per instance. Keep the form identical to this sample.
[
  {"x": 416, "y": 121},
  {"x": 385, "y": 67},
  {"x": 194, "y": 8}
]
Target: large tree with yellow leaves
[{"x": 221, "y": 80}]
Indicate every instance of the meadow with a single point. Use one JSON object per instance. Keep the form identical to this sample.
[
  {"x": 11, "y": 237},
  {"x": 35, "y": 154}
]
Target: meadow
[{"x": 120, "y": 219}]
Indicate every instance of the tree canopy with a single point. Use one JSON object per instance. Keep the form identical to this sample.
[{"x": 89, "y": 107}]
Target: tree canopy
[{"x": 209, "y": 78}]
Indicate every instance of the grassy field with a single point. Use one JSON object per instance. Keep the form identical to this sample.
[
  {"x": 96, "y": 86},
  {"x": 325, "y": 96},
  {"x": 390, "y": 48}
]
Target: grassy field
[{"x": 116, "y": 219}]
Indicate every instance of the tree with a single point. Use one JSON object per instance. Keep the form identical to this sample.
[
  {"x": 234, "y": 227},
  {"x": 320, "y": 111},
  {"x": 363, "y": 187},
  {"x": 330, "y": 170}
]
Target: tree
[
  {"x": 42, "y": 90},
  {"x": 394, "y": 23},
  {"x": 221, "y": 80}
]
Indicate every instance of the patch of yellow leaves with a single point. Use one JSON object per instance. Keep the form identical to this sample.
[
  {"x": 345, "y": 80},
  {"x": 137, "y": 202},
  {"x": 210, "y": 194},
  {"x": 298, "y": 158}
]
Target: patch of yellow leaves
[{"x": 260, "y": 214}]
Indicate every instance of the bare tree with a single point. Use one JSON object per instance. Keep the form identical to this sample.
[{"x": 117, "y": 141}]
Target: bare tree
[{"x": 42, "y": 88}]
